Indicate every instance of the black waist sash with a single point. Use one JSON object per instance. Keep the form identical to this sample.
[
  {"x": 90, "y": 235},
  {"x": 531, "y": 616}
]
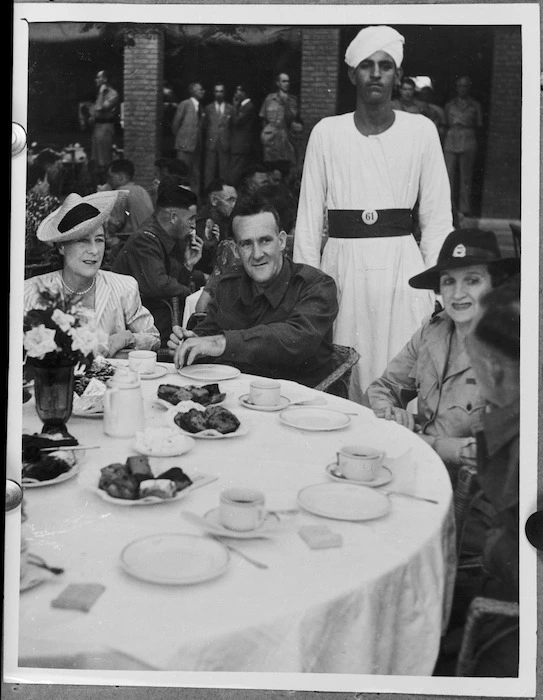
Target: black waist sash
[{"x": 369, "y": 223}]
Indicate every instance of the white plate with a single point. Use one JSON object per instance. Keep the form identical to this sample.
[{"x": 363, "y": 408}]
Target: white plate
[
  {"x": 344, "y": 501},
  {"x": 33, "y": 484},
  {"x": 314, "y": 418},
  {"x": 197, "y": 481},
  {"x": 160, "y": 371},
  {"x": 184, "y": 443},
  {"x": 175, "y": 559},
  {"x": 204, "y": 434},
  {"x": 209, "y": 373},
  {"x": 383, "y": 477},
  {"x": 270, "y": 524},
  {"x": 283, "y": 403}
]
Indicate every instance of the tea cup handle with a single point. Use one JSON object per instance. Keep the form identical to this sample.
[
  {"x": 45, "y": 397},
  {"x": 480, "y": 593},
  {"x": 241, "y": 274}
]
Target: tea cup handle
[{"x": 261, "y": 514}]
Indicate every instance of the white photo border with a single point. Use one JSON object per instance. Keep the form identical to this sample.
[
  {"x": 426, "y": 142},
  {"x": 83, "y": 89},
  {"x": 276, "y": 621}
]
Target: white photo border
[{"x": 524, "y": 14}]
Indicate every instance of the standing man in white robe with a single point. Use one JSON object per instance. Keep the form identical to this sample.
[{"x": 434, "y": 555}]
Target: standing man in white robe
[{"x": 365, "y": 171}]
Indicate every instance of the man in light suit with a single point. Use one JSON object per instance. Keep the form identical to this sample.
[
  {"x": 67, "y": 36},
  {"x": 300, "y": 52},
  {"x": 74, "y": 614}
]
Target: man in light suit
[
  {"x": 242, "y": 143},
  {"x": 216, "y": 132},
  {"x": 186, "y": 129}
]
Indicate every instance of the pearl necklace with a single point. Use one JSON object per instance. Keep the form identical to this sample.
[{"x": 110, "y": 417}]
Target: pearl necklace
[{"x": 72, "y": 291}]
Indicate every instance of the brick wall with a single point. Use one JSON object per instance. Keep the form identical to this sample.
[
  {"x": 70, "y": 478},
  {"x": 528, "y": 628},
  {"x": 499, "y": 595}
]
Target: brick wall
[
  {"x": 501, "y": 186},
  {"x": 143, "y": 79},
  {"x": 319, "y": 76}
]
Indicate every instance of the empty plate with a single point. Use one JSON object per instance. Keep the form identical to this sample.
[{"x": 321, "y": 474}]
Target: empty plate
[
  {"x": 383, "y": 477},
  {"x": 209, "y": 373},
  {"x": 314, "y": 418},
  {"x": 245, "y": 401},
  {"x": 175, "y": 559},
  {"x": 344, "y": 501}
]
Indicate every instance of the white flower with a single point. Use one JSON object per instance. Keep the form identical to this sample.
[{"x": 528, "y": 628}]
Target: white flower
[
  {"x": 39, "y": 341},
  {"x": 63, "y": 321},
  {"x": 84, "y": 339}
]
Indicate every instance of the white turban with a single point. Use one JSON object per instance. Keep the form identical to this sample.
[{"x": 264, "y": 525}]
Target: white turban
[{"x": 372, "y": 39}]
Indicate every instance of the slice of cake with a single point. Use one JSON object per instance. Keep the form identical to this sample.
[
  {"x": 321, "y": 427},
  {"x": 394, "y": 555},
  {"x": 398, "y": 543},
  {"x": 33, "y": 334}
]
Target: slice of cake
[
  {"x": 138, "y": 466},
  {"x": 163, "y": 488},
  {"x": 178, "y": 476}
]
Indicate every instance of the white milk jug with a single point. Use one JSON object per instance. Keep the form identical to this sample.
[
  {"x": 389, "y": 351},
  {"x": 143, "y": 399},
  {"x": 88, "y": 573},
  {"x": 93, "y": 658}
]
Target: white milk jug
[{"x": 123, "y": 404}]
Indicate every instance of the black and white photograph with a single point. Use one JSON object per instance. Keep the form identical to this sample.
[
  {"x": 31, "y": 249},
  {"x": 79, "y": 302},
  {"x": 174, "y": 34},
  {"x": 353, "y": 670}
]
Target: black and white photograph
[{"x": 266, "y": 377}]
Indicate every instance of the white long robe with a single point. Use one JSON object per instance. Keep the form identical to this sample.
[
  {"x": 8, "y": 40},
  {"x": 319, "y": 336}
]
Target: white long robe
[{"x": 378, "y": 310}]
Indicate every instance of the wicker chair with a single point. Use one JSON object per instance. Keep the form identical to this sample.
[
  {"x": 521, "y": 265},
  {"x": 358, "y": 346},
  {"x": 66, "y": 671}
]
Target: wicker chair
[
  {"x": 344, "y": 358},
  {"x": 481, "y": 611},
  {"x": 465, "y": 492}
]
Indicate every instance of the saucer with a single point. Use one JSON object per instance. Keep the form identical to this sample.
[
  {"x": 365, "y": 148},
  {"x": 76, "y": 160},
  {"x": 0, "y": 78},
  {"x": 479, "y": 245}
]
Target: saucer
[
  {"x": 269, "y": 524},
  {"x": 159, "y": 371},
  {"x": 283, "y": 403},
  {"x": 382, "y": 478}
]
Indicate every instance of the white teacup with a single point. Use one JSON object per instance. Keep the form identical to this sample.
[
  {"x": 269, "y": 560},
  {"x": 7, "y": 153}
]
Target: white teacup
[
  {"x": 359, "y": 462},
  {"x": 142, "y": 361},
  {"x": 241, "y": 509},
  {"x": 265, "y": 392}
]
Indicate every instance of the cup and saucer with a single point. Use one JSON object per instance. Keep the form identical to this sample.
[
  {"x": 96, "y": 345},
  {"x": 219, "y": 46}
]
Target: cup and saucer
[
  {"x": 360, "y": 464},
  {"x": 241, "y": 514},
  {"x": 264, "y": 395}
]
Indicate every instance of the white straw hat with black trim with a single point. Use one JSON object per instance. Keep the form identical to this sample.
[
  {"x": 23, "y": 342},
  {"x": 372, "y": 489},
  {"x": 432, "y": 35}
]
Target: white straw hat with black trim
[{"x": 78, "y": 216}]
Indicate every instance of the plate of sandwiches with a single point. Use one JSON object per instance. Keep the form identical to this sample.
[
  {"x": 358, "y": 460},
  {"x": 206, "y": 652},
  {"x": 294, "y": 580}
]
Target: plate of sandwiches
[{"x": 134, "y": 483}]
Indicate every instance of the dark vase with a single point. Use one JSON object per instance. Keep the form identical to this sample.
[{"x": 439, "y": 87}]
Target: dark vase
[{"x": 53, "y": 391}]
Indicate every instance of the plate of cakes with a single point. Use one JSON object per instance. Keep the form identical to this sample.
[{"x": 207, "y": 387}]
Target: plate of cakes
[
  {"x": 207, "y": 422},
  {"x": 172, "y": 394},
  {"x": 46, "y": 468},
  {"x": 134, "y": 483}
]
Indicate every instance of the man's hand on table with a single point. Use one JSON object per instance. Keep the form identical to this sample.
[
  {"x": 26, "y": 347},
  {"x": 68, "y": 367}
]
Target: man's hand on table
[{"x": 187, "y": 346}]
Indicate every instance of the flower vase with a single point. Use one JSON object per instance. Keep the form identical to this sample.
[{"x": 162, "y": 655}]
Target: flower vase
[{"x": 53, "y": 391}]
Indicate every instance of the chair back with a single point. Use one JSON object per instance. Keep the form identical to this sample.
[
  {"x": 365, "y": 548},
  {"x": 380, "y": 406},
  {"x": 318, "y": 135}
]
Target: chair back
[
  {"x": 466, "y": 485},
  {"x": 481, "y": 611},
  {"x": 344, "y": 359}
]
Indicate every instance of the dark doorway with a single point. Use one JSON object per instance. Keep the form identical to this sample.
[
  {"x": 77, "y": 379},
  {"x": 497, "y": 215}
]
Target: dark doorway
[
  {"x": 60, "y": 76},
  {"x": 211, "y": 62}
]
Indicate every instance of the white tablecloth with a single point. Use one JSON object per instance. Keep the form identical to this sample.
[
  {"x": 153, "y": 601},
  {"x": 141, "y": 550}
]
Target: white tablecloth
[{"x": 376, "y": 605}]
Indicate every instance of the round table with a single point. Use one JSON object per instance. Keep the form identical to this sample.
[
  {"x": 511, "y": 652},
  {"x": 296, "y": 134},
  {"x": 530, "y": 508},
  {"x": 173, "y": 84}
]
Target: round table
[{"x": 375, "y": 605}]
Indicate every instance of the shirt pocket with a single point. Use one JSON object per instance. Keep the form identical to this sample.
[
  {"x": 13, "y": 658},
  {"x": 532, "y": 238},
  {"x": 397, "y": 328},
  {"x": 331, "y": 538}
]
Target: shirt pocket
[{"x": 466, "y": 406}]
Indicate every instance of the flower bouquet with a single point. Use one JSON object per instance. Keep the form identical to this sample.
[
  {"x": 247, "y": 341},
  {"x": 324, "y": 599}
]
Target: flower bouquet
[{"x": 57, "y": 336}]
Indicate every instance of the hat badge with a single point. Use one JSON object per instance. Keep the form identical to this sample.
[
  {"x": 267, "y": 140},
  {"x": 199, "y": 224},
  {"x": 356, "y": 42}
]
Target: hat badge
[{"x": 459, "y": 251}]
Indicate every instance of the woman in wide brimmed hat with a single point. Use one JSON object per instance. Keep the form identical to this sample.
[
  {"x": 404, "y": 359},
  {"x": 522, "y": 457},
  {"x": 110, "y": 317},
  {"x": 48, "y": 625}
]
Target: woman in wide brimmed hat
[
  {"x": 77, "y": 230},
  {"x": 434, "y": 366}
]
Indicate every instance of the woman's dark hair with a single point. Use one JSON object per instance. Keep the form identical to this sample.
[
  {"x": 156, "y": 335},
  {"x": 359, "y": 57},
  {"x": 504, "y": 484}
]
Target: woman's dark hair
[
  {"x": 497, "y": 277},
  {"x": 499, "y": 324}
]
